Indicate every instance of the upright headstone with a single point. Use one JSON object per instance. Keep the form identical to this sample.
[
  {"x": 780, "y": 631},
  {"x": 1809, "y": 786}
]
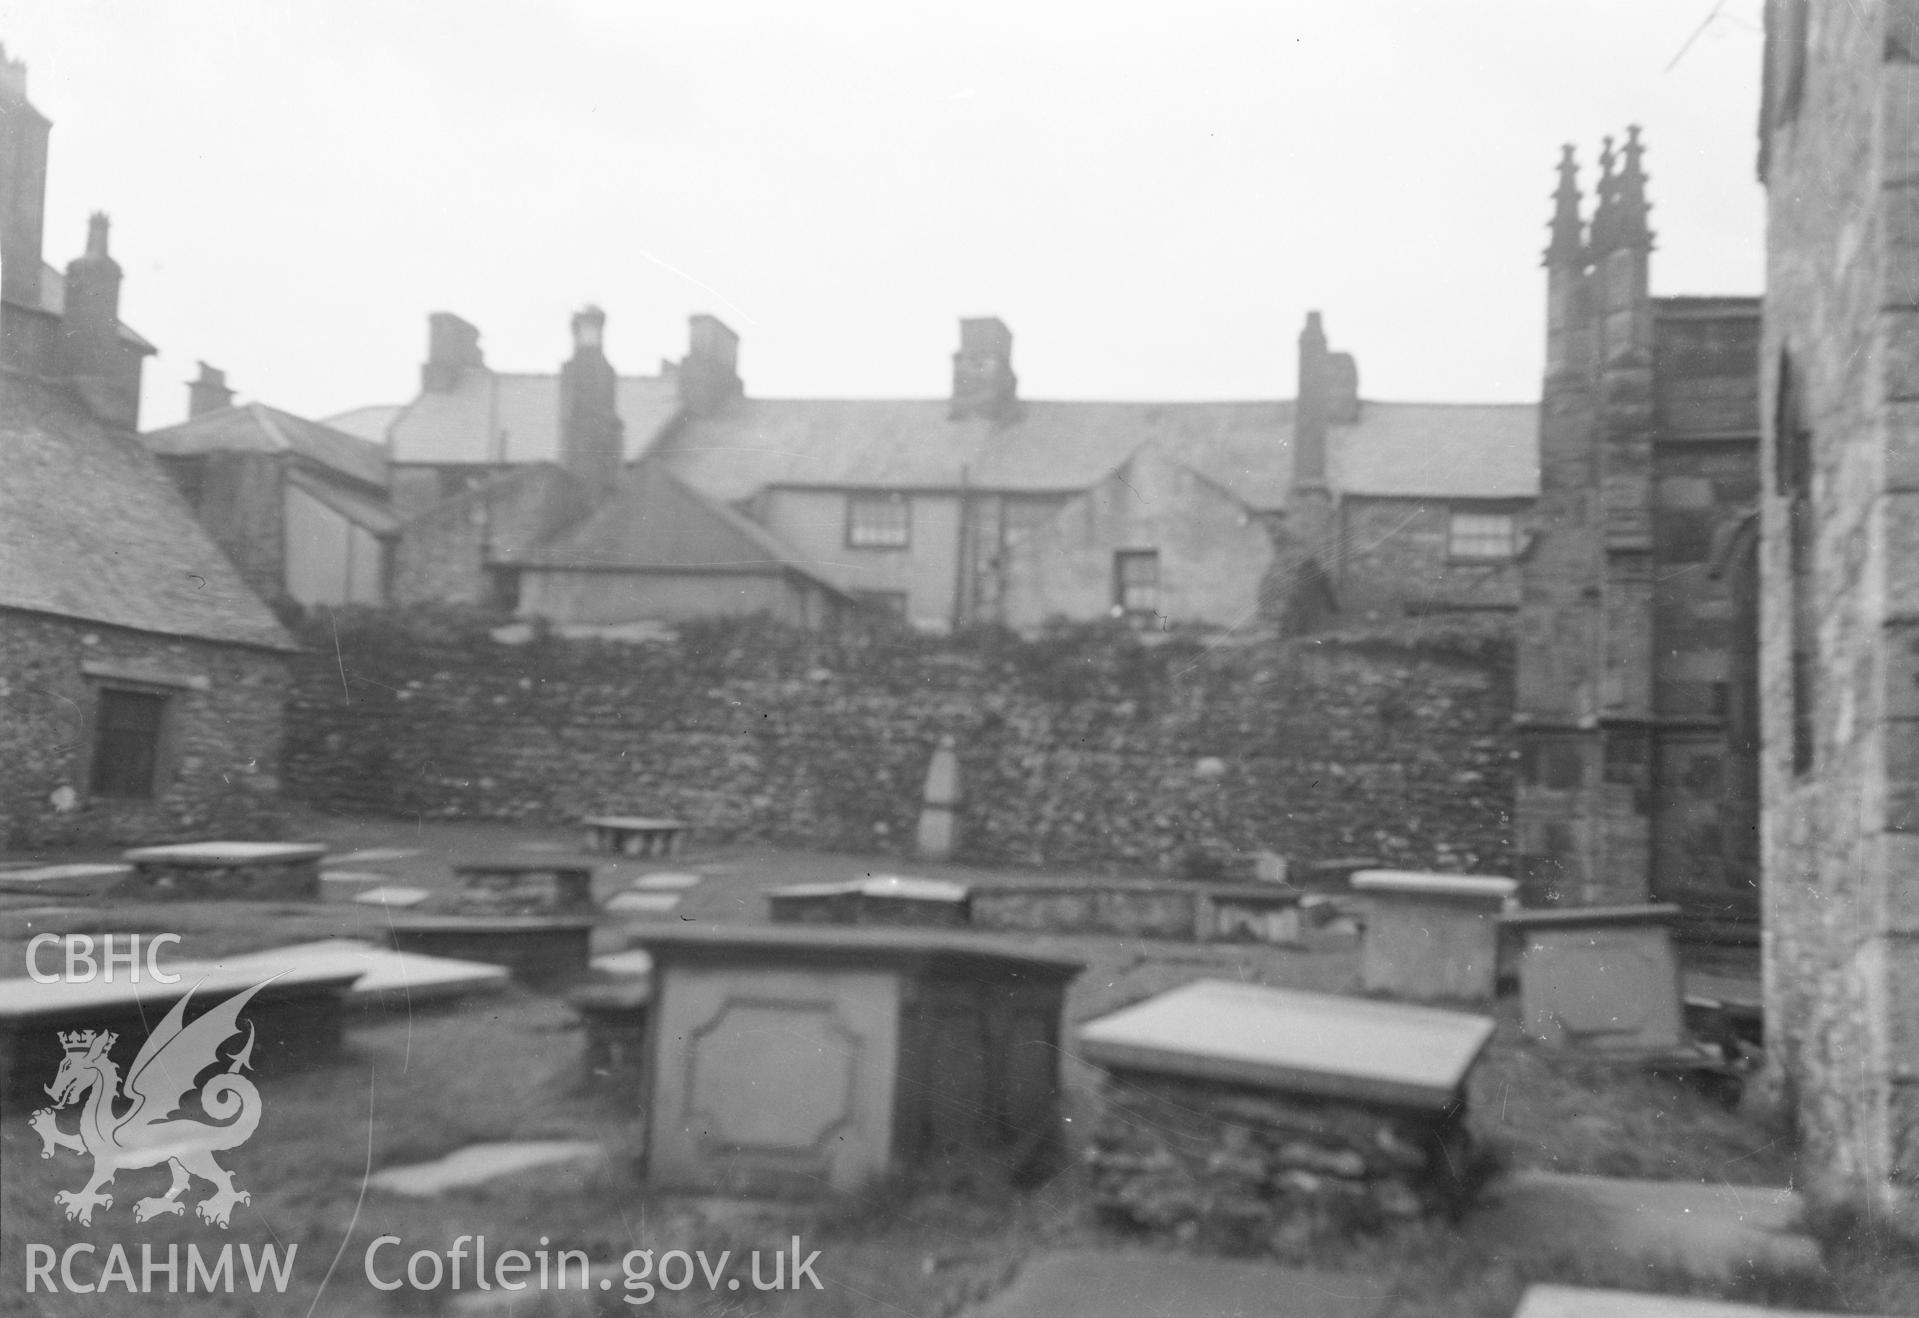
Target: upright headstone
[{"x": 940, "y": 805}]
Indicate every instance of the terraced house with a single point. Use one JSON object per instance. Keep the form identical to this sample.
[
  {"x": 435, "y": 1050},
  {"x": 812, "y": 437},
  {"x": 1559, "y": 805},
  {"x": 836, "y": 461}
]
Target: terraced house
[{"x": 981, "y": 507}]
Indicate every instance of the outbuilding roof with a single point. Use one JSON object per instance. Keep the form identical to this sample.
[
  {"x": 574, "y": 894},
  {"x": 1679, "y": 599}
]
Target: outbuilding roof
[{"x": 92, "y": 529}]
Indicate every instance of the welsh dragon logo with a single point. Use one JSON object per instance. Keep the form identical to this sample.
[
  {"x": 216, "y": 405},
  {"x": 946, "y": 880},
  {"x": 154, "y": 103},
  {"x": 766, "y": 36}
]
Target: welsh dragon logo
[{"x": 154, "y": 1130}]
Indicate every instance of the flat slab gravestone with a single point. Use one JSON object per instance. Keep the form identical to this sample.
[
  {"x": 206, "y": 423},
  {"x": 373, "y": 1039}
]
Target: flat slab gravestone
[
  {"x": 245, "y": 871},
  {"x": 297, "y": 1017},
  {"x": 523, "y": 885},
  {"x": 1249, "y": 913},
  {"x": 1088, "y": 1284},
  {"x": 66, "y": 880},
  {"x": 1601, "y": 979},
  {"x": 370, "y": 856},
  {"x": 345, "y": 885},
  {"x": 384, "y": 975},
  {"x": 642, "y": 903},
  {"x": 1431, "y": 937},
  {"x": 1579, "y": 1302},
  {"x": 479, "y": 1163},
  {"x": 633, "y": 835},
  {"x": 668, "y": 881},
  {"x": 397, "y": 895},
  {"x": 1307, "y": 1043},
  {"x": 634, "y": 964},
  {"x": 881, "y": 899},
  {"x": 538, "y": 949},
  {"x": 797, "y": 1059}
]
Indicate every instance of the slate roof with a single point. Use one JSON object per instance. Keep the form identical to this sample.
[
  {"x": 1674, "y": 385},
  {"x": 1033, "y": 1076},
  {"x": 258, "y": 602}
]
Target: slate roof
[
  {"x": 257, "y": 428},
  {"x": 1438, "y": 450},
  {"x": 92, "y": 529},
  {"x": 656, "y": 520},
  {"x": 53, "y": 301},
  {"x": 490, "y": 416},
  {"x": 1050, "y": 447},
  {"x": 368, "y": 423},
  {"x": 1444, "y": 450}
]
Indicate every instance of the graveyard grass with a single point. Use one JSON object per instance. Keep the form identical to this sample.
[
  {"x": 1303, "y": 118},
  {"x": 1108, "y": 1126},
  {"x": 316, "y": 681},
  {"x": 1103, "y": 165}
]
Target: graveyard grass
[{"x": 420, "y": 1083}]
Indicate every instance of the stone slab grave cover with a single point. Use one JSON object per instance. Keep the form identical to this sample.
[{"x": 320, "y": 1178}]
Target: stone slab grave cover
[
  {"x": 348, "y": 885},
  {"x": 1601, "y": 979},
  {"x": 66, "y": 880},
  {"x": 297, "y": 1018},
  {"x": 1705, "y": 1230},
  {"x": 479, "y": 1163},
  {"x": 879, "y": 899},
  {"x": 1431, "y": 937},
  {"x": 1247, "y": 913},
  {"x": 234, "y": 871},
  {"x": 793, "y": 1060},
  {"x": 633, "y": 835},
  {"x": 1262, "y": 1117},
  {"x": 1089, "y": 1284},
  {"x": 522, "y": 885},
  {"x": 384, "y": 976},
  {"x": 667, "y": 881},
  {"x": 633, "y": 902},
  {"x": 538, "y": 950},
  {"x": 1579, "y": 1302},
  {"x": 397, "y": 895}
]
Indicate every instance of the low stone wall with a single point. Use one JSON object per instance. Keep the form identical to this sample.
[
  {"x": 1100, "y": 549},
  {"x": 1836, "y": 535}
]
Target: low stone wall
[
  {"x": 1089, "y": 749},
  {"x": 1133, "y": 910},
  {"x": 1243, "y": 1169}
]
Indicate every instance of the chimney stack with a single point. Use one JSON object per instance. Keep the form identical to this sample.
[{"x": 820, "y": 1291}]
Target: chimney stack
[
  {"x": 983, "y": 381},
  {"x": 23, "y": 186},
  {"x": 106, "y": 371},
  {"x": 209, "y": 393},
  {"x": 591, "y": 433},
  {"x": 711, "y": 372},
  {"x": 452, "y": 348}
]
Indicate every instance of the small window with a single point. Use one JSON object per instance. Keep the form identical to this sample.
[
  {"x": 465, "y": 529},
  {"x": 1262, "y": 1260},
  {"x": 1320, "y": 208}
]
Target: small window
[
  {"x": 878, "y": 521},
  {"x": 126, "y": 743},
  {"x": 1136, "y": 582},
  {"x": 1486, "y": 537}
]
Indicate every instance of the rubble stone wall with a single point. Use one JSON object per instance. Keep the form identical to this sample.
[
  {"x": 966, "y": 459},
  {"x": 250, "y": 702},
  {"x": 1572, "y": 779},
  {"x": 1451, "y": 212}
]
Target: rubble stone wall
[
  {"x": 1243, "y": 1169},
  {"x": 1088, "y": 749},
  {"x": 1842, "y": 352},
  {"x": 219, "y": 752}
]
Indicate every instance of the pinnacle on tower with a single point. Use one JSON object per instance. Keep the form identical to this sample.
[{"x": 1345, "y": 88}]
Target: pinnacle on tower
[
  {"x": 1568, "y": 244},
  {"x": 1633, "y": 230},
  {"x": 1605, "y": 225}
]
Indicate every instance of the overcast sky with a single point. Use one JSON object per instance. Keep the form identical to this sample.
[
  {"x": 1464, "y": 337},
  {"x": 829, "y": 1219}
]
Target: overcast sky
[{"x": 1151, "y": 195}]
